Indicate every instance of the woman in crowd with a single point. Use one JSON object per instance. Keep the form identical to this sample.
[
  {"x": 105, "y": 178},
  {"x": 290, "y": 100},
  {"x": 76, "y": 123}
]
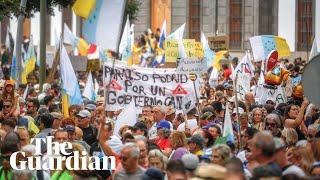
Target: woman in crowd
[
  {"x": 294, "y": 116},
  {"x": 258, "y": 119},
  {"x": 179, "y": 145},
  {"x": 221, "y": 153},
  {"x": 157, "y": 159}
]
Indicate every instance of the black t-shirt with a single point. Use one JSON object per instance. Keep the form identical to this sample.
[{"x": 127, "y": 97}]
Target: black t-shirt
[
  {"x": 96, "y": 151},
  {"x": 89, "y": 134},
  {"x": 269, "y": 170}
]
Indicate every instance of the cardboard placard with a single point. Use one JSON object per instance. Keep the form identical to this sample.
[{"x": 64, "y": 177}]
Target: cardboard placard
[{"x": 218, "y": 43}]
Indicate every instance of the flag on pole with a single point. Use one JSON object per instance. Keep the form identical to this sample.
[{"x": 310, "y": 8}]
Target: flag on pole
[
  {"x": 89, "y": 90},
  {"x": 14, "y": 67},
  {"x": 76, "y": 42},
  {"x": 245, "y": 67},
  {"x": 124, "y": 38},
  {"x": 227, "y": 127},
  {"x": 264, "y": 44},
  {"x": 69, "y": 80},
  {"x": 208, "y": 53},
  {"x": 30, "y": 62},
  {"x": 83, "y": 8},
  {"x": 314, "y": 49},
  {"x": 178, "y": 33},
  {"x": 127, "y": 116},
  {"x": 163, "y": 34}
]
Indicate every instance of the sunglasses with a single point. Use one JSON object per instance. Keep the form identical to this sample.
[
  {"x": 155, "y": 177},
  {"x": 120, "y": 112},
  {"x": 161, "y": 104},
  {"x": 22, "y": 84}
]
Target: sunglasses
[
  {"x": 7, "y": 106},
  {"x": 271, "y": 124}
]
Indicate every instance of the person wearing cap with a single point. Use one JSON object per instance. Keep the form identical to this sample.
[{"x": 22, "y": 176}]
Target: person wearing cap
[
  {"x": 196, "y": 144},
  {"x": 159, "y": 114},
  {"x": 171, "y": 113},
  {"x": 191, "y": 121},
  {"x": 57, "y": 120},
  {"x": 10, "y": 95},
  {"x": 163, "y": 134},
  {"x": 206, "y": 118},
  {"x": 89, "y": 132},
  {"x": 282, "y": 160}
]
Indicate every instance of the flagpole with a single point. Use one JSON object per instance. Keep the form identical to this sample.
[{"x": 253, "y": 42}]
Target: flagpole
[{"x": 237, "y": 110}]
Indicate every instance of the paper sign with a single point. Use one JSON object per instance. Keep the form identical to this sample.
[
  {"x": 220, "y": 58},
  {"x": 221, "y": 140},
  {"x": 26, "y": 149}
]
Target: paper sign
[
  {"x": 171, "y": 50},
  {"x": 189, "y": 47},
  {"x": 145, "y": 86},
  {"x": 277, "y": 95},
  {"x": 199, "y": 53},
  {"x": 192, "y": 65}
]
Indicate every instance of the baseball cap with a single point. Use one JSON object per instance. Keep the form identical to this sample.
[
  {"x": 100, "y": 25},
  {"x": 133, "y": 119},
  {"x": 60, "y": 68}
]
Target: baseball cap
[
  {"x": 197, "y": 139},
  {"x": 206, "y": 115},
  {"x": 69, "y": 128},
  {"x": 171, "y": 110},
  {"x": 210, "y": 171},
  {"x": 190, "y": 161},
  {"x": 240, "y": 110},
  {"x": 163, "y": 124},
  {"x": 56, "y": 115},
  {"x": 152, "y": 173},
  {"x": 90, "y": 107},
  {"x": 84, "y": 113}
]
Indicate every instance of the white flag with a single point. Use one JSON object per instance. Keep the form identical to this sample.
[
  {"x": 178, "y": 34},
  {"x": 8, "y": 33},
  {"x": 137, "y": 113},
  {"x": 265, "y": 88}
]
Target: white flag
[
  {"x": 127, "y": 116},
  {"x": 177, "y": 34},
  {"x": 227, "y": 126},
  {"x": 125, "y": 35},
  {"x": 89, "y": 89}
]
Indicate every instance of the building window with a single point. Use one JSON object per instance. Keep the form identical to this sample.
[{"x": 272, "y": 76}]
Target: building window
[
  {"x": 194, "y": 19},
  {"x": 305, "y": 25},
  {"x": 235, "y": 24},
  {"x": 267, "y": 17}
]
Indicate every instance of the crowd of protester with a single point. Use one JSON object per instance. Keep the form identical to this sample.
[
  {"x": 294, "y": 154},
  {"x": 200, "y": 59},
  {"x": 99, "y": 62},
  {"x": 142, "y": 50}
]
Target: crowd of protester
[{"x": 271, "y": 140}]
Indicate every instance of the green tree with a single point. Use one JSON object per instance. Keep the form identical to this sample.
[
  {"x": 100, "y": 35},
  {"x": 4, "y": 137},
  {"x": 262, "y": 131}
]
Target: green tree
[{"x": 11, "y": 7}]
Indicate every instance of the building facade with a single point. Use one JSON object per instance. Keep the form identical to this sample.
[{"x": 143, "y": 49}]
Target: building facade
[{"x": 296, "y": 20}]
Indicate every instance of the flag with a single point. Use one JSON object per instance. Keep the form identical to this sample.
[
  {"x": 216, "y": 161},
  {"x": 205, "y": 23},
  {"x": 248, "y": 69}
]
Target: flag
[
  {"x": 245, "y": 67},
  {"x": 83, "y": 8},
  {"x": 68, "y": 36},
  {"x": 93, "y": 52},
  {"x": 9, "y": 41},
  {"x": 262, "y": 45},
  {"x": 65, "y": 104},
  {"x": 25, "y": 93},
  {"x": 76, "y": 42},
  {"x": 217, "y": 58},
  {"x": 208, "y": 53},
  {"x": 104, "y": 24},
  {"x": 127, "y": 116},
  {"x": 314, "y": 49},
  {"x": 30, "y": 62},
  {"x": 178, "y": 33},
  {"x": 125, "y": 36},
  {"x": 69, "y": 80},
  {"x": 227, "y": 127},
  {"x": 14, "y": 67},
  {"x": 163, "y": 34},
  {"x": 89, "y": 90}
]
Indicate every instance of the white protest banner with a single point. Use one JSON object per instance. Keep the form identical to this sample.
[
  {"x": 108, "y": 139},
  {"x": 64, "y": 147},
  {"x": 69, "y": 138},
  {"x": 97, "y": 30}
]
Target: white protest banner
[
  {"x": 277, "y": 95},
  {"x": 192, "y": 65},
  {"x": 243, "y": 85},
  {"x": 145, "y": 86}
]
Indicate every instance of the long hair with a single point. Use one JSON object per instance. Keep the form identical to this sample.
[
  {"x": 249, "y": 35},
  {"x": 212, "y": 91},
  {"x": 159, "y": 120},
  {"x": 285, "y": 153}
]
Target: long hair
[
  {"x": 8, "y": 95},
  {"x": 178, "y": 139}
]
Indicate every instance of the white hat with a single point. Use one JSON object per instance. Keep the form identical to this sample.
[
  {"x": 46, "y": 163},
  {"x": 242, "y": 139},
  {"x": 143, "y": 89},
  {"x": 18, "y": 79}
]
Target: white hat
[{"x": 240, "y": 110}]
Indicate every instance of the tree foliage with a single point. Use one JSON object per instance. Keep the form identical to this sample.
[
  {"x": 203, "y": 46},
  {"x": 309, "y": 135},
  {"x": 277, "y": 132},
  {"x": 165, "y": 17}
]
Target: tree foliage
[{"x": 12, "y": 7}]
